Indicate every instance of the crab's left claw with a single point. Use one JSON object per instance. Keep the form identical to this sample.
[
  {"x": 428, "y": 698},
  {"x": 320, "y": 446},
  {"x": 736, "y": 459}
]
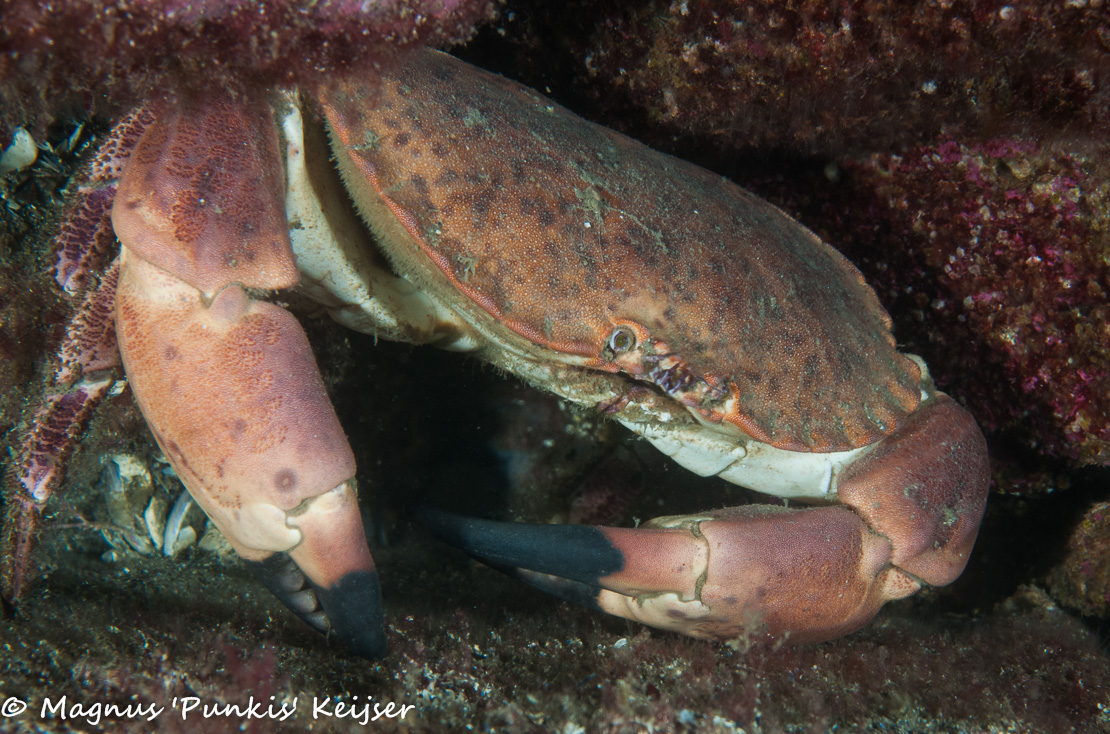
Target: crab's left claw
[
  {"x": 227, "y": 381},
  {"x": 913, "y": 505},
  {"x": 718, "y": 575}
]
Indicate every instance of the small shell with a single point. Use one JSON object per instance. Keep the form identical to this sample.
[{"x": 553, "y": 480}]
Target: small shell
[
  {"x": 21, "y": 153},
  {"x": 155, "y": 519},
  {"x": 145, "y": 516},
  {"x": 130, "y": 490},
  {"x": 185, "y": 538},
  {"x": 179, "y": 530},
  {"x": 213, "y": 541}
]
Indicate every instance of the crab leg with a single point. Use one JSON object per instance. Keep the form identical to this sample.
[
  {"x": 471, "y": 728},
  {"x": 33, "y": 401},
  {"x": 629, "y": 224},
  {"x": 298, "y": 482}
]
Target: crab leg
[
  {"x": 83, "y": 378},
  {"x": 913, "y": 508},
  {"x": 44, "y": 449},
  {"x": 227, "y": 382}
]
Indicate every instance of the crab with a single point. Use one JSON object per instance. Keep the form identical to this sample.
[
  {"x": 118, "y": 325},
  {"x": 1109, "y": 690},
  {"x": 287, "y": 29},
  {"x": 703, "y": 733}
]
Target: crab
[{"x": 470, "y": 213}]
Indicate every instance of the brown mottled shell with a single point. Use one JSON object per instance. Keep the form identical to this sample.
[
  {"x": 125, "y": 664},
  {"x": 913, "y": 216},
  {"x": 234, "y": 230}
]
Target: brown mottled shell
[{"x": 562, "y": 230}]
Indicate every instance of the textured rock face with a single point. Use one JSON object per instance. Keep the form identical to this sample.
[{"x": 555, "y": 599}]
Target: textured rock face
[
  {"x": 98, "y": 53},
  {"x": 827, "y": 77},
  {"x": 458, "y": 631},
  {"x": 1081, "y": 581},
  {"x": 996, "y": 266}
]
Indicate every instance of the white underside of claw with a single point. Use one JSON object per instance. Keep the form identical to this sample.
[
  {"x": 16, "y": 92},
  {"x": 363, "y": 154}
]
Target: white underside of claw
[
  {"x": 256, "y": 529},
  {"x": 662, "y": 611}
]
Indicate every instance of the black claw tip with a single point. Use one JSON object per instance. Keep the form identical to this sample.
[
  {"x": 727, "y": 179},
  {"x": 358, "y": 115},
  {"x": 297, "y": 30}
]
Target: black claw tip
[
  {"x": 578, "y": 553},
  {"x": 351, "y": 610},
  {"x": 354, "y": 608}
]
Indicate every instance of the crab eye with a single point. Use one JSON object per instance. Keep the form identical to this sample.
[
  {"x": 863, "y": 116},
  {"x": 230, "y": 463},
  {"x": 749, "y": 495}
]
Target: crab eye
[{"x": 621, "y": 340}]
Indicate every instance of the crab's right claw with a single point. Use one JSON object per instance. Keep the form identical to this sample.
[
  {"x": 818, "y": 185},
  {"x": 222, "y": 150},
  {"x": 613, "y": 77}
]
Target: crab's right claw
[
  {"x": 913, "y": 509},
  {"x": 231, "y": 392},
  {"x": 228, "y": 383}
]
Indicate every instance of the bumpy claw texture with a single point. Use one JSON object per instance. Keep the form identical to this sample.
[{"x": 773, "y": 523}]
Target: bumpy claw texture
[
  {"x": 212, "y": 213},
  {"x": 810, "y": 574},
  {"x": 269, "y": 440},
  {"x": 227, "y": 383}
]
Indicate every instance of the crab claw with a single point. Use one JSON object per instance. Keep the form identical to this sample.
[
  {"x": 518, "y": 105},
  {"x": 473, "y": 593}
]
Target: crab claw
[
  {"x": 228, "y": 383},
  {"x": 231, "y": 392},
  {"x": 912, "y": 509}
]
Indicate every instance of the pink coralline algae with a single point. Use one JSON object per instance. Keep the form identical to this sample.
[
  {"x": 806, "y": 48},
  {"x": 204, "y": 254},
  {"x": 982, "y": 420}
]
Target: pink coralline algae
[
  {"x": 110, "y": 55},
  {"x": 1001, "y": 252}
]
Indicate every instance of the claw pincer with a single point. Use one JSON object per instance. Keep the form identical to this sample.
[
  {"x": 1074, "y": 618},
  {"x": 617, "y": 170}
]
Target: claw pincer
[
  {"x": 227, "y": 382},
  {"x": 912, "y": 509}
]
